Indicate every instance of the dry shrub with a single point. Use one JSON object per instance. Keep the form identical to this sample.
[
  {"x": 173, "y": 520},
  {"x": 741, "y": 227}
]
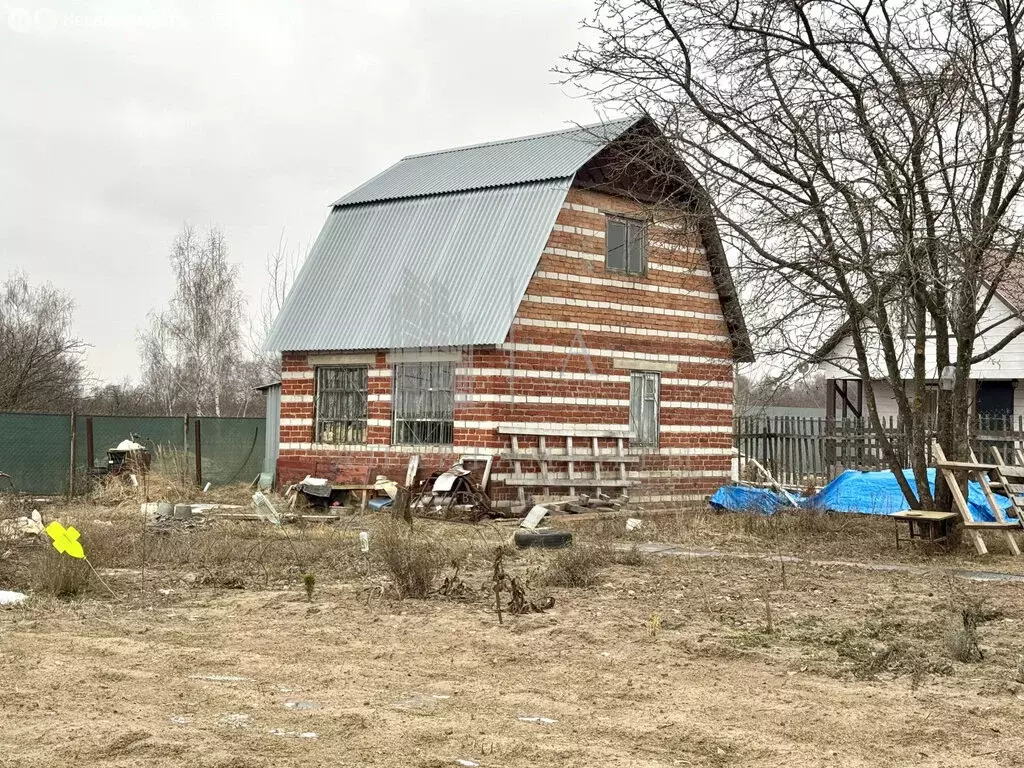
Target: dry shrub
[
  {"x": 634, "y": 557},
  {"x": 964, "y": 643},
  {"x": 412, "y": 561},
  {"x": 59, "y": 575},
  {"x": 577, "y": 566}
]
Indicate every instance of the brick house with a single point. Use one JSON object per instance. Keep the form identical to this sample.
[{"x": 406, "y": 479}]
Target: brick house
[{"x": 547, "y": 296}]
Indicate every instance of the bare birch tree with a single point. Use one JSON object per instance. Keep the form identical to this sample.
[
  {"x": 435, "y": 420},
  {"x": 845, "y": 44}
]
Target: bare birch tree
[
  {"x": 192, "y": 350},
  {"x": 280, "y": 270},
  {"x": 865, "y": 161},
  {"x": 40, "y": 357}
]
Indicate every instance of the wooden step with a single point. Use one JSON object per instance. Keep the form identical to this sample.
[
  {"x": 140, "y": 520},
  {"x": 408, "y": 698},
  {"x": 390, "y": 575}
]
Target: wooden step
[
  {"x": 604, "y": 458},
  {"x": 569, "y": 482}
]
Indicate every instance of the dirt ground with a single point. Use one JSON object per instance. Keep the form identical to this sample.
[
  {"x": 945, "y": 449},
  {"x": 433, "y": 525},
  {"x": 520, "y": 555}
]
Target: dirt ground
[{"x": 668, "y": 661}]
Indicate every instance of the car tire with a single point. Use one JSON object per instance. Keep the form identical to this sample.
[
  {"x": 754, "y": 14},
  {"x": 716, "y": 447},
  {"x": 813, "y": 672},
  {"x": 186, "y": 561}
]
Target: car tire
[{"x": 545, "y": 538}]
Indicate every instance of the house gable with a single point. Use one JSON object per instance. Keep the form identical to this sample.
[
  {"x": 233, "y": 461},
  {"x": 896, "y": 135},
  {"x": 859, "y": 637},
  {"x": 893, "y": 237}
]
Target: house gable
[{"x": 438, "y": 250}]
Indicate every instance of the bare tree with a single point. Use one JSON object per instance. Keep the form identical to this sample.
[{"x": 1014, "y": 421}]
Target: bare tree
[
  {"x": 281, "y": 268},
  {"x": 40, "y": 358},
  {"x": 865, "y": 159},
  {"x": 191, "y": 351}
]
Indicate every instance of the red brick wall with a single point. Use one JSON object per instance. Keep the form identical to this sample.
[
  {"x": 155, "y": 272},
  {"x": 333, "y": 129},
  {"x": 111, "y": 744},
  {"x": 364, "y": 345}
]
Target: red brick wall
[{"x": 581, "y": 325}]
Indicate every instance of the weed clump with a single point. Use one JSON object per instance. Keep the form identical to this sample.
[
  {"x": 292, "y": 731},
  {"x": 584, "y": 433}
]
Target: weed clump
[
  {"x": 578, "y": 566},
  {"x": 59, "y": 575},
  {"x": 412, "y": 562}
]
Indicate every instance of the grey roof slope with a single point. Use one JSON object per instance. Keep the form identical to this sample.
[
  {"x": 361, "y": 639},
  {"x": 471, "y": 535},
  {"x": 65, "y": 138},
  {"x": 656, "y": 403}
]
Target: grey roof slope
[
  {"x": 438, "y": 249},
  {"x": 443, "y": 270},
  {"x": 554, "y": 155}
]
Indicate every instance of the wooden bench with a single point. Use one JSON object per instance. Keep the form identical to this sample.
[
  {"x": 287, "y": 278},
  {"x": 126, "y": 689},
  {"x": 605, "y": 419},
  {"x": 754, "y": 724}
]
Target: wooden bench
[{"x": 929, "y": 527}]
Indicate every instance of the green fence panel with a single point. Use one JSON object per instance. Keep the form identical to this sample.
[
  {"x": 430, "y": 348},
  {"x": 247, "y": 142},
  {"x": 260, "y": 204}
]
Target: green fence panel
[
  {"x": 232, "y": 449},
  {"x": 35, "y": 450},
  {"x": 157, "y": 433}
]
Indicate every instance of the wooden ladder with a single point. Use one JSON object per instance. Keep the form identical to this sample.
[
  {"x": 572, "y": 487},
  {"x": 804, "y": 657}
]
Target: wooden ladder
[
  {"x": 574, "y": 453},
  {"x": 972, "y": 526}
]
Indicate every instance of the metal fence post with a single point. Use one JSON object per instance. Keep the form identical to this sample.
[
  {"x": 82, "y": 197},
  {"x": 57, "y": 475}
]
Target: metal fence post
[
  {"x": 71, "y": 471},
  {"x": 199, "y": 454}
]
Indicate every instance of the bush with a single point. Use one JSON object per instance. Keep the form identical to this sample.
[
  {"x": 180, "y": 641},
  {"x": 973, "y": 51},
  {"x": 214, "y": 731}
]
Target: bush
[
  {"x": 634, "y": 556},
  {"x": 413, "y": 562},
  {"x": 57, "y": 574},
  {"x": 577, "y": 566}
]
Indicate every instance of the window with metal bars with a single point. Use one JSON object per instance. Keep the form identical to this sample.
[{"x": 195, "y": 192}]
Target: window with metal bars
[
  {"x": 341, "y": 404},
  {"x": 423, "y": 403},
  {"x": 644, "y": 407},
  {"x": 626, "y": 246}
]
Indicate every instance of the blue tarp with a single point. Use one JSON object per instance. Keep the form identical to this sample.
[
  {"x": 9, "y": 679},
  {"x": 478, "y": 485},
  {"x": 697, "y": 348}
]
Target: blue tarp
[{"x": 869, "y": 493}]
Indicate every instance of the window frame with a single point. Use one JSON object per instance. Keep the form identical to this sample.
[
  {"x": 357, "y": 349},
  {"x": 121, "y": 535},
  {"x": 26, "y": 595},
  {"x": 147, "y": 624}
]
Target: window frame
[
  {"x": 353, "y": 432},
  {"x": 438, "y": 415},
  {"x": 636, "y": 420},
  {"x": 635, "y": 230}
]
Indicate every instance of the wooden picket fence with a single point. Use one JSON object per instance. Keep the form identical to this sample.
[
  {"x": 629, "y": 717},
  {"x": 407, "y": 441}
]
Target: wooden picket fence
[{"x": 807, "y": 452}]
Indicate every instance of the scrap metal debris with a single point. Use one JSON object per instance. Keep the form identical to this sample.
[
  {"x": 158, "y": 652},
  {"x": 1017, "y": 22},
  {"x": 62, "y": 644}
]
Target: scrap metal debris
[{"x": 457, "y": 493}]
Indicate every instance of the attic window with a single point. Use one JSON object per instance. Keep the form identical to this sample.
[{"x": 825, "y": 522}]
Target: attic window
[{"x": 626, "y": 246}]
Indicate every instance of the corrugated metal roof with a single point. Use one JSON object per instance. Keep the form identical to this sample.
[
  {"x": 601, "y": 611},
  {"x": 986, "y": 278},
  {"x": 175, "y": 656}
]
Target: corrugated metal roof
[
  {"x": 444, "y": 270},
  {"x": 499, "y": 163}
]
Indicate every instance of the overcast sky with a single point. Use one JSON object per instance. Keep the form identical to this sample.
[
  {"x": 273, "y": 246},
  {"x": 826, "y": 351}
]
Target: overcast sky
[{"x": 120, "y": 121}]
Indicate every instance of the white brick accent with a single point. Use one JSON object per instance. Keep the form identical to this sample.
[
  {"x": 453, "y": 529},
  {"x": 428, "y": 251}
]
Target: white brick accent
[
  {"x": 581, "y": 208},
  {"x": 378, "y": 422},
  {"x": 668, "y": 381},
  {"x": 600, "y": 258},
  {"x": 537, "y": 299},
  {"x": 522, "y": 373},
  {"x": 629, "y": 284},
  {"x": 696, "y": 428},
  {"x": 680, "y": 270},
  {"x": 667, "y": 246},
  {"x": 574, "y": 254},
  {"x": 680, "y": 451},
  {"x": 296, "y": 398},
  {"x": 378, "y": 398},
  {"x": 296, "y": 422},
  {"x": 479, "y": 397},
  {"x": 579, "y": 231},
  {"x": 296, "y": 375},
  {"x": 614, "y": 353},
  {"x": 490, "y": 425},
  {"x": 382, "y": 448},
  {"x": 702, "y": 405},
  {"x": 623, "y": 329},
  {"x": 379, "y": 373}
]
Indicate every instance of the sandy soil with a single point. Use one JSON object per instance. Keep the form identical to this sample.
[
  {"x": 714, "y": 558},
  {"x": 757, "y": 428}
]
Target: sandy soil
[{"x": 665, "y": 663}]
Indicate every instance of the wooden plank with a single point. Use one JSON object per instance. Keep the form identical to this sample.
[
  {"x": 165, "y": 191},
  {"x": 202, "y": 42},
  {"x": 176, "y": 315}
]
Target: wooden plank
[
  {"x": 565, "y": 482},
  {"x": 968, "y": 465},
  {"x": 518, "y": 467},
  {"x": 575, "y": 432},
  {"x": 604, "y": 458},
  {"x": 542, "y": 460},
  {"x": 571, "y": 465},
  {"x": 620, "y": 447}
]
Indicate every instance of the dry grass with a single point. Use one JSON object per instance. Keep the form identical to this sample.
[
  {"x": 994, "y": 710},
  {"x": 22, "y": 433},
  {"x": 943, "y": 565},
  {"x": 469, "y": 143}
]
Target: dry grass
[
  {"x": 59, "y": 575},
  {"x": 412, "y": 560},
  {"x": 577, "y": 566}
]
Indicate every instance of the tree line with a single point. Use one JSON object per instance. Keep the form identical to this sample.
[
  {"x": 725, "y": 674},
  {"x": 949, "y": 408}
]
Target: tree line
[{"x": 200, "y": 355}]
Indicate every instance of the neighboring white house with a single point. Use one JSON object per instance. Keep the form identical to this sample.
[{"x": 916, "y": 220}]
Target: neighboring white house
[{"x": 995, "y": 380}]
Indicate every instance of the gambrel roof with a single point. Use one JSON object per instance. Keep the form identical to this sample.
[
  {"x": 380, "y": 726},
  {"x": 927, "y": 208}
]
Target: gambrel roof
[{"x": 438, "y": 249}]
